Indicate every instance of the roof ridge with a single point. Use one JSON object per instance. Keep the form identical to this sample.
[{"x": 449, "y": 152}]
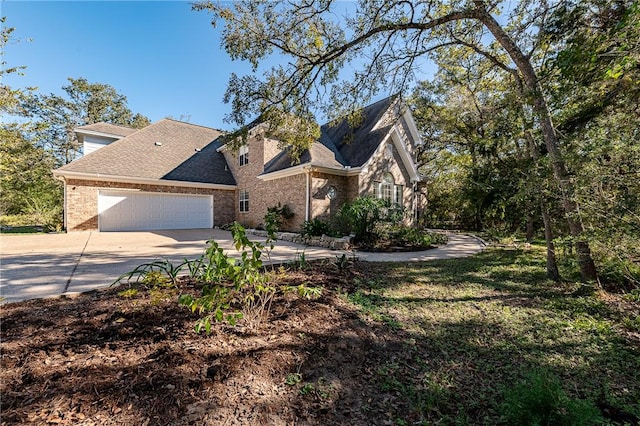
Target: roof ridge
[{"x": 192, "y": 124}]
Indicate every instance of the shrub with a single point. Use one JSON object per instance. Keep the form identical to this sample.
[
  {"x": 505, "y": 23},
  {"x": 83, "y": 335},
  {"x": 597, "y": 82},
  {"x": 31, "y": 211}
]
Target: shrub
[
  {"x": 364, "y": 215},
  {"x": 232, "y": 290},
  {"x": 540, "y": 400},
  {"x": 277, "y": 216},
  {"x": 315, "y": 228}
]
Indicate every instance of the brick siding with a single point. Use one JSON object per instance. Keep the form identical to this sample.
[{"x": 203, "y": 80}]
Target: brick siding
[{"x": 82, "y": 201}]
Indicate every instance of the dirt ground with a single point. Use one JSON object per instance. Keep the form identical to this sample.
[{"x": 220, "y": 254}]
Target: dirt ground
[{"x": 103, "y": 359}]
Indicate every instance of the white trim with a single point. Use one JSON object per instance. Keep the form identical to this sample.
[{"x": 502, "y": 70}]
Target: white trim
[
  {"x": 301, "y": 168},
  {"x": 307, "y": 198},
  {"x": 101, "y": 134},
  {"x": 405, "y": 155},
  {"x": 289, "y": 171},
  {"x": 139, "y": 180},
  {"x": 413, "y": 129}
]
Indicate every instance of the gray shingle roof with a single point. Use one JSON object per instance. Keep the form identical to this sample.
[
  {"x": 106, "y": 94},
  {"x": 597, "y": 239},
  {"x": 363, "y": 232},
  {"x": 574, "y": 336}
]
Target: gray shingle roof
[
  {"x": 340, "y": 144},
  {"x": 165, "y": 150},
  {"x": 108, "y": 128}
]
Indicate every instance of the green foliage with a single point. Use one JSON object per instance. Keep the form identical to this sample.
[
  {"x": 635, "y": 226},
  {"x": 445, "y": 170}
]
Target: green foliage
[
  {"x": 232, "y": 289},
  {"x": 315, "y": 228},
  {"x": 83, "y": 103},
  {"x": 409, "y": 236},
  {"x": 364, "y": 215},
  {"x": 28, "y": 188},
  {"x": 293, "y": 379},
  {"x": 540, "y": 400},
  {"x": 153, "y": 273},
  {"x": 342, "y": 262},
  {"x": 304, "y": 291},
  {"x": 276, "y": 217}
]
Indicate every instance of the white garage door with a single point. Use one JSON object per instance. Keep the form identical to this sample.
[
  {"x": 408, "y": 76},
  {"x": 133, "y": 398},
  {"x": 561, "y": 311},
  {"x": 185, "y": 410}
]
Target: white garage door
[{"x": 146, "y": 211}]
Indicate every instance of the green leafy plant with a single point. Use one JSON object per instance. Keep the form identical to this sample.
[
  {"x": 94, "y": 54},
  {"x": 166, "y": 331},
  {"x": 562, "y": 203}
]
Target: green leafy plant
[
  {"x": 293, "y": 379},
  {"x": 315, "y": 228},
  {"x": 364, "y": 214},
  {"x": 304, "y": 291},
  {"x": 232, "y": 282},
  {"x": 540, "y": 400},
  {"x": 342, "y": 262},
  {"x": 300, "y": 261},
  {"x": 279, "y": 214},
  {"x": 152, "y": 272}
]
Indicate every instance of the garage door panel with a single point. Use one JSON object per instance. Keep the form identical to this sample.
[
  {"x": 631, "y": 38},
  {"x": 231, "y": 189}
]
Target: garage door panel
[{"x": 134, "y": 211}]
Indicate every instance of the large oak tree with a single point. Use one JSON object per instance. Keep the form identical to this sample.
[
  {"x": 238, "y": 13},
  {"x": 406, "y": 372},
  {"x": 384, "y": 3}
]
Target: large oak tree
[{"x": 382, "y": 42}]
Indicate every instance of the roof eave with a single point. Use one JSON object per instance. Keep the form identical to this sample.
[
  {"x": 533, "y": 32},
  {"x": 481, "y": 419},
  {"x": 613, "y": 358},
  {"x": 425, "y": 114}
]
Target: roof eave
[
  {"x": 306, "y": 167},
  {"x": 139, "y": 180}
]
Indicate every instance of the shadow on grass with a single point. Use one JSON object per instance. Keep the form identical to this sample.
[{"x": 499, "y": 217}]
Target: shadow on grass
[{"x": 322, "y": 362}]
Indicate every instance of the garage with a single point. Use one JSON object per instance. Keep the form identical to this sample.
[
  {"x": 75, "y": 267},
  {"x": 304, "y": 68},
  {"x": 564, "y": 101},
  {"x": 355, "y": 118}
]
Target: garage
[{"x": 147, "y": 211}]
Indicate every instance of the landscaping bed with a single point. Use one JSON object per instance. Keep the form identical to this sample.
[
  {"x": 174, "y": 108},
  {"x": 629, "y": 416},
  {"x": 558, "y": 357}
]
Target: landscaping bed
[{"x": 442, "y": 342}]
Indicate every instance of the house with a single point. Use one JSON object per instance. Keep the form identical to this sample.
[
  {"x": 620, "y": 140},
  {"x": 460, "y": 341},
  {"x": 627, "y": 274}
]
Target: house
[{"x": 175, "y": 175}]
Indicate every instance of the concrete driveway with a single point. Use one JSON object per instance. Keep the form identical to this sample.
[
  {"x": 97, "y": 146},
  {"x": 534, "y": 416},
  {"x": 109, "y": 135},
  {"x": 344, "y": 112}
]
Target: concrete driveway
[{"x": 47, "y": 265}]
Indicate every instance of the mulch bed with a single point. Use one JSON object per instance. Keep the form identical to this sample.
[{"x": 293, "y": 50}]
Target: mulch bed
[{"x": 104, "y": 359}]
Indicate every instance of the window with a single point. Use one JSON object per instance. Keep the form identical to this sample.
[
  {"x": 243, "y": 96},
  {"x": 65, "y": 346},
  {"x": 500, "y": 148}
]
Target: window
[
  {"x": 243, "y": 155},
  {"x": 388, "y": 190},
  {"x": 244, "y": 200},
  {"x": 398, "y": 195},
  {"x": 386, "y": 187}
]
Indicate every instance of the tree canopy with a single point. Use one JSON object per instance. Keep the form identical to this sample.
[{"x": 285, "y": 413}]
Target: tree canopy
[
  {"x": 532, "y": 52},
  {"x": 84, "y": 103}
]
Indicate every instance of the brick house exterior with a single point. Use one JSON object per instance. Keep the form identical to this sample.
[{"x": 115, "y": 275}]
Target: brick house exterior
[{"x": 187, "y": 170}]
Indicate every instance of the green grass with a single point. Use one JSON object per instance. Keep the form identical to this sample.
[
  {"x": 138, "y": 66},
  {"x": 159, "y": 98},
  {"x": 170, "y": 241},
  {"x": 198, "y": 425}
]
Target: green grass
[
  {"x": 24, "y": 230},
  {"x": 479, "y": 325}
]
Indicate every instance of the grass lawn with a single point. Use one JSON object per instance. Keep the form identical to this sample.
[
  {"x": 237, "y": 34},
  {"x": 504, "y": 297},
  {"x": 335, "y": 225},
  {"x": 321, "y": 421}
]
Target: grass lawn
[
  {"x": 478, "y": 327},
  {"x": 482, "y": 340}
]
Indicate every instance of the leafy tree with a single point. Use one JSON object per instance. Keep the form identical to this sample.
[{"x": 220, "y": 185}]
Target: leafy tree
[
  {"x": 597, "y": 70},
  {"x": 383, "y": 42},
  {"x": 26, "y": 183},
  {"x": 84, "y": 103}
]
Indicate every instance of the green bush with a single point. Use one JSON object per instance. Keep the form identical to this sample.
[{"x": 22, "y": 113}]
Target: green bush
[
  {"x": 412, "y": 236},
  {"x": 277, "y": 216},
  {"x": 366, "y": 213},
  {"x": 315, "y": 228},
  {"x": 540, "y": 400}
]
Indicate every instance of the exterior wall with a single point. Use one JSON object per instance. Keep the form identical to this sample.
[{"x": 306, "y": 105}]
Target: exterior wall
[
  {"x": 94, "y": 143},
  {"x": 321, "y": 206},
  {"x": 82, "y": 201},
  {"x": 288, "y": 191},
  {"x": 380, "y": 164}
]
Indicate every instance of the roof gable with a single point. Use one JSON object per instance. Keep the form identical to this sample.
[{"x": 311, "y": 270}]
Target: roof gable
[{"x": 357, "y": 144}]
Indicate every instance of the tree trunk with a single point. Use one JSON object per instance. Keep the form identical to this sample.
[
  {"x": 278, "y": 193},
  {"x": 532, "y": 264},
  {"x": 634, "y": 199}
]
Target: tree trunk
[
  {"x": 552, "y": 265},
  {"x": 530, "y": 228},
  {"x": 585, "y": 261}
]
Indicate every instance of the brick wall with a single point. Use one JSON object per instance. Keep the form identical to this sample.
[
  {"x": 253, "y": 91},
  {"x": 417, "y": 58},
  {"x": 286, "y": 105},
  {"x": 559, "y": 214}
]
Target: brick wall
[
  {"x": 264, "y": 194},
  {"x": 82, "y": 201},
  {"x": 321, "y": 206},
  {"x": 381, "y": 164}
]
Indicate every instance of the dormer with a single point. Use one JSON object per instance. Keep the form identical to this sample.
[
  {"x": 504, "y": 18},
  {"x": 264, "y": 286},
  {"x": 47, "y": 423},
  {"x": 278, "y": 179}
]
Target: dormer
[{"x": 98, "y": 135}]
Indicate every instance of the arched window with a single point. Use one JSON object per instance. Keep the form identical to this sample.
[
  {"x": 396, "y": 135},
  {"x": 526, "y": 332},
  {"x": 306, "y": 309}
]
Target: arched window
[
  {"x": 387, "y": 187},
  {"x": 388, "y": 190}
]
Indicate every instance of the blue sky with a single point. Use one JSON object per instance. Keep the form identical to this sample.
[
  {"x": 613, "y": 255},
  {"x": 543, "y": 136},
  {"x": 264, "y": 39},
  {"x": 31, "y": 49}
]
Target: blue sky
[{"x": 164, "y": 57}]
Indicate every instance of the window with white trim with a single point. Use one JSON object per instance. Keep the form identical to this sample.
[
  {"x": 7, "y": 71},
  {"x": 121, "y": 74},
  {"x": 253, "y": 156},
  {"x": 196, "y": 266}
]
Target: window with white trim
[
  {"x": 386, "y": 187},
  {"x": 388, "y": 190},
  {"x": 243, "y": 198},
  {"x": 243, "y": 155},
  {"x": 397, "y": 198}
]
